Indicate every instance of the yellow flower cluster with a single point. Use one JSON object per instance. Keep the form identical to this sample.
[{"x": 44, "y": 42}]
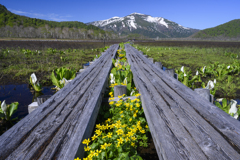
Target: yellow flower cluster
[
  {"x": 124, "y": 128},
  {"x": 113, "y": 85}
]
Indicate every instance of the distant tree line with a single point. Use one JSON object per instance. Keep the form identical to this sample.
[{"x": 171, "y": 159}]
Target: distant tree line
[
  {"x": 12, "y": 25},
  {"x": 230, "y": 29}
]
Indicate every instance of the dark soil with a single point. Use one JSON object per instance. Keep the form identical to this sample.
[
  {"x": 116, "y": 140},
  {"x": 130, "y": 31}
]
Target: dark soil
[
  {"x": 148, "y": 153},
  {"x": 40, "y": 45},
  {"x": 201, "y": 44}
]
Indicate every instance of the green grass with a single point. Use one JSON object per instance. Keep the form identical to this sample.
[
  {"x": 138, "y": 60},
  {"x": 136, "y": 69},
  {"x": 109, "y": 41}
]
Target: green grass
[
  {"x": 190, "y": 57},
  {"x": 19, "y": 65},
  {"x": 193, "y": 58}
]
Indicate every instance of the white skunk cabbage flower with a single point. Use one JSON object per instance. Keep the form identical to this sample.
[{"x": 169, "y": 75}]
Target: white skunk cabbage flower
[
  {"x": 125, "y": 81},
  {"x": 34, "y": 78},
  {"x": 65, "y": 81},
  {"x": 182, "y": 69},
  {"x": 219, "y": 99},
  {"x": 132, "y": 92},
  {"x": 62, "y": 81},
  {"x": 203, "y": 70},
  {"x": 233, "y": 108},
  {"x": 210, "y": 85},
  {"x": 185, "y": 75},
  {"x": 214, "y": 81},
  {"x": 4, "y": 107},
  {"x": 112, "y": 78},
  {"x": 228, "y": 67},
  {"x": 197, "y": 73},
  {"x": 117, "y": 63}
]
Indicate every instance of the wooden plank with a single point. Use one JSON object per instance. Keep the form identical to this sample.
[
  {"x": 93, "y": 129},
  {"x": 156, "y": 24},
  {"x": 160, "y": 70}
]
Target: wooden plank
[
  {"x": 210, "y": 141},
  {"x": 175, "y": 108},
  {"x": 169, "y": 134},
  {"x": 54, "y": 124},
  {"x": 221, "y": 121}
]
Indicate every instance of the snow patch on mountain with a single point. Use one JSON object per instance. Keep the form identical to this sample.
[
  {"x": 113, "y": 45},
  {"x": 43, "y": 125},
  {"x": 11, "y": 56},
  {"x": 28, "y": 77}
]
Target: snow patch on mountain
[
  {"x": 137, "y": 13},
  {"x": 183, "y": 27},
  {"x": 159, "y": 20},
  {"x": 123, "y": 24},
  {"x": 108, "y": 21},
  {"x": 131, "y": 22}
]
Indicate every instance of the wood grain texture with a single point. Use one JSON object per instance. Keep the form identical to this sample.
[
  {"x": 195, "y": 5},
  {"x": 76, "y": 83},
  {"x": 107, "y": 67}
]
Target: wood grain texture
[
  {"x": 57, "y": 127},
  {"x": 179, "y": 118}
]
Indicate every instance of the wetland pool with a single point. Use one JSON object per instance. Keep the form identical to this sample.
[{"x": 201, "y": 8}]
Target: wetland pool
[{"x": 22, "y": 94}]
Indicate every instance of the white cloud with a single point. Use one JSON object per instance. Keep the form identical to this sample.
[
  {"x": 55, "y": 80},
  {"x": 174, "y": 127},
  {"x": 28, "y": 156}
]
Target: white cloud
[{"x": 50, "y": 16}]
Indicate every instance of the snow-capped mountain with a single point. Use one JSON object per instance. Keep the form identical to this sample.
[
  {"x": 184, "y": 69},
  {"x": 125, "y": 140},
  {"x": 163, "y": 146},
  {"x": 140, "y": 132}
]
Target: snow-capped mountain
[{"x": 145, "y": 25}]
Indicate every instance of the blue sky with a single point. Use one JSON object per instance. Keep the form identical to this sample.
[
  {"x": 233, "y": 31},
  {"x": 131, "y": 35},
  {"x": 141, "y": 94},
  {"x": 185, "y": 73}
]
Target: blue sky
[{"x": 199, "y": 14}]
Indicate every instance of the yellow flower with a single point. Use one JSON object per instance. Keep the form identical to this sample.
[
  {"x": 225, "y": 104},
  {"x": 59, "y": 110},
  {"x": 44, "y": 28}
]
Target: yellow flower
[
  {"x": 109, "y": 144},
  {"x": 122, "y": 116},
  {"x": 111, "y": 126},
  {"x": 98, "y": 126},
  {"x": 109, "y": 135},
  {"x": 97, "y": 152},
  {"x": 86, "y": 141},
  {"x": 146, "y": 126},
  {"x": 111, "y": 103},
  {"x": 127, "y": 104},
  {"x": 119, "y": 96},
  {"x": 130, "y": 119},
  {"x": 120, "y": 140},
  {"x": 107, "y": 126},
  {"x": 104, "y": 146},
  {"x": 118, "y": 122},
  {"x": 110, "y": 93},
  {"x": 77, "y": 158},
  {"x": 130, "y": 134},
  {"x": 87, "y": 148},
  {"x": 134, "y": 115},
  {"x": 98, "y": 132},
  {"x": 137, "y": 104},
  {"x": 123, "y": 126},
  {"x": 137, "y": 95},
  {"x": 108, "y": 120},
  {"x": 142, "y": 131},
  {"x": 94, "y": 137},
  {"x": 127, "y": 139},
  {"x": 132, "y": 144},
  {"x": 134, "y": 138},
  {"x": 119, "y": 132}
]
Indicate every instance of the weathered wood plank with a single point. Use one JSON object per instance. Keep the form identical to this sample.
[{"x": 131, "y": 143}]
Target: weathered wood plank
[
  {"x": 54, "y": 124},
  {"x": 174, "y": 107},
  {"x": 221, "y": 121},
  {"x": 202, "y": 132}
]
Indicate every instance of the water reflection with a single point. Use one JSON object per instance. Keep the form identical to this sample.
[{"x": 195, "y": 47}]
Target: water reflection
[{"x": 23, "y": 95}]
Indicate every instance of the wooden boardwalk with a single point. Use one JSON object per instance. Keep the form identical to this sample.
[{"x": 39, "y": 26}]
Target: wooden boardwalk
[
  {"x": 183, "y": 124},
  {"x": 57, "y": 127}
]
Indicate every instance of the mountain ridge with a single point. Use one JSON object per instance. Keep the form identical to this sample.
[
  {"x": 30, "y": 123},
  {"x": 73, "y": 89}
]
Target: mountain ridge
[{"x": 146, "y": 25}]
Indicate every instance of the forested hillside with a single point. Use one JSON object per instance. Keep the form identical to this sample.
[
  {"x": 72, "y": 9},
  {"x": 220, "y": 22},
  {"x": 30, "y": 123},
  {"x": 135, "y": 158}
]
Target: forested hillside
[
  {"x": 227, "y": 30},
  {"x": 12, "y": 25}
]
